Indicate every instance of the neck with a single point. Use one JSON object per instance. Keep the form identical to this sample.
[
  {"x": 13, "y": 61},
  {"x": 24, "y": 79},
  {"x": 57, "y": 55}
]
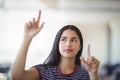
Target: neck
[{"x": 67, "y": 65}]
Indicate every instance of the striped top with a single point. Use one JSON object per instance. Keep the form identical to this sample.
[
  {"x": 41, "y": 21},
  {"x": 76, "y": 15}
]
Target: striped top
[{"x": 54, "y": 73}]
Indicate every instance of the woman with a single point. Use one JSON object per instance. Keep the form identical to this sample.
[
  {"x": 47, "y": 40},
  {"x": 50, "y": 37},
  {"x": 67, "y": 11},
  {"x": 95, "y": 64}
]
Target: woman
[{"x": 64, "y": 61}]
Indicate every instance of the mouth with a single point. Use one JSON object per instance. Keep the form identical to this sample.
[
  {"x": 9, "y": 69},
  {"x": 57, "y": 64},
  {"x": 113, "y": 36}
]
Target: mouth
[{"x": 68, "y": 50}]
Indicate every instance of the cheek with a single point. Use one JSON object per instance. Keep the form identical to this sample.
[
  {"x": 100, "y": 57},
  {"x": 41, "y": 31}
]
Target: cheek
[
  {"x": 60, "y": 48},
  {"x": 77, "y": 47}
]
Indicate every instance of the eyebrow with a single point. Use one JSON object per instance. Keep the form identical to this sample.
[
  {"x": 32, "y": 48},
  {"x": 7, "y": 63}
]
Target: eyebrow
[{"x": 71, "y": 37}]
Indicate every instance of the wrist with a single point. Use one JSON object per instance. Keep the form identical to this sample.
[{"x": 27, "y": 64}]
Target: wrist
[
  {"x": 27, "y": 39},
  {"x": 93, "y": 75}
]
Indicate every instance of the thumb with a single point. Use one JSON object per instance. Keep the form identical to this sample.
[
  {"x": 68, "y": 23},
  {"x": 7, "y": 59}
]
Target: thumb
[
  {"x": 41, "y": 26},
  {"x": 83, "y": 61}
]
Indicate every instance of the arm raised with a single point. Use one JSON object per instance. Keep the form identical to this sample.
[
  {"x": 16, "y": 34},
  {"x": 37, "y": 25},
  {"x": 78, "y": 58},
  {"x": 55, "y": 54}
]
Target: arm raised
[
  {"x": 92, "y": 65},
  {"x": 31, "y": 29}
]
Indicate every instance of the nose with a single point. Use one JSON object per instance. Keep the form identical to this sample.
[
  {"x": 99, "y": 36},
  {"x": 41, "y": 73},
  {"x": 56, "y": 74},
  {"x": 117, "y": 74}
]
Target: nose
[{"x": 68, "y": 43}]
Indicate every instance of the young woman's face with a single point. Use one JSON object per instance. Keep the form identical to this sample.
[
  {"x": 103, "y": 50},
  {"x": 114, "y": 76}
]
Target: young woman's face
[{"x": 69, "y": 44}]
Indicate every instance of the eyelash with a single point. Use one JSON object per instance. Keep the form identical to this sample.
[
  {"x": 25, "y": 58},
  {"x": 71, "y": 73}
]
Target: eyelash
[
  {"x": 62, "y": 39},
  {"x": 74, "y": 40},
  {"x": 71, "y": 40}
]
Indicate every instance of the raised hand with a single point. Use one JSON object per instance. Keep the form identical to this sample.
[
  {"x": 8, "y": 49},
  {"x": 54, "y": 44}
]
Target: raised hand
[
  {"x": 91, "y": 64},
  {"x": 33, "y": 27}
]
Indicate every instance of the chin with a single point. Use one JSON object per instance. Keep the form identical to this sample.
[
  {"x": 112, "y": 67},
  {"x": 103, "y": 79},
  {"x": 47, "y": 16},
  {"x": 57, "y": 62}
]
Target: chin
[{"x": 69, "y": 56}]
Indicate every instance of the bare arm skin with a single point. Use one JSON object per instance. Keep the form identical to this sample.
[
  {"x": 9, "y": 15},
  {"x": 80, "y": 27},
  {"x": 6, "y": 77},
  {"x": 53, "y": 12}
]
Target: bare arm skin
[{"x": 31, "y": 29}]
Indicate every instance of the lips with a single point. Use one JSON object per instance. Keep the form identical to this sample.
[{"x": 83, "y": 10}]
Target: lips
[{"x": 68, "y": 50}]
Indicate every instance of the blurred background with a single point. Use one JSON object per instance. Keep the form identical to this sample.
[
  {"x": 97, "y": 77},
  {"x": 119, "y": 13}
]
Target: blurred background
[{"x": 98, "y": 20}]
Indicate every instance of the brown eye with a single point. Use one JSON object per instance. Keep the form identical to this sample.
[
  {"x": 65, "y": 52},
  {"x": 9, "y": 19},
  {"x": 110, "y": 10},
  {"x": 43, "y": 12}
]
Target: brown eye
[
  {"x": 63, "y": 39},
  {"x": 74, "y": 40}
]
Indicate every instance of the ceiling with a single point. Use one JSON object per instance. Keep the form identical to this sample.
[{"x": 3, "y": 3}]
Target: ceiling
[{"x": 66, "y": 5}]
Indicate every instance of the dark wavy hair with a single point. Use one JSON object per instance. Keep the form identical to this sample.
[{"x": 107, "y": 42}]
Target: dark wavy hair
[{"x": 54, "y": 56}]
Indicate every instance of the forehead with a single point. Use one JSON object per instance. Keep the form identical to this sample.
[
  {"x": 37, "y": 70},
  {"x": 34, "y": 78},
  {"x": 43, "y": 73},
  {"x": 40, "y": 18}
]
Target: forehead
[{"x": 69, "y": 33}]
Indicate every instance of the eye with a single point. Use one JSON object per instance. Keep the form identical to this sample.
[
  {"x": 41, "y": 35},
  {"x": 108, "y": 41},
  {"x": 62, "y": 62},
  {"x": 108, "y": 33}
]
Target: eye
[
  {"x": 74, "y": 40},
  {"x": 63, "y": 39}
]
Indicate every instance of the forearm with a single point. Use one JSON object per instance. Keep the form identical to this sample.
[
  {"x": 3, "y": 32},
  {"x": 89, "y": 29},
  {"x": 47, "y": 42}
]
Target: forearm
[
  {"x": 93, "y": 76},
  {"x": 20, "y": 61}
]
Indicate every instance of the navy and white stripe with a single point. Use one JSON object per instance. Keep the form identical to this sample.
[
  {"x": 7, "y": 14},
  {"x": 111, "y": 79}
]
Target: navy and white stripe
[{"x": 53, "y": 73}]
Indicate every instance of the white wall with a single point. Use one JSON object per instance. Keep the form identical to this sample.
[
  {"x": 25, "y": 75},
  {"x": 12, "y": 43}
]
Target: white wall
[
  {"x": 11, "y": 34},
  {"x": 115, "y": 40},
  {"x": 94, "y": 25}
]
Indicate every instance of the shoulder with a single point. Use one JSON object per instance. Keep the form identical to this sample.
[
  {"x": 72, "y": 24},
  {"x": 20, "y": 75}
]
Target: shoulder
[
  {"x": 43, "y": 68},
  {"x": 82, "y": 71}
]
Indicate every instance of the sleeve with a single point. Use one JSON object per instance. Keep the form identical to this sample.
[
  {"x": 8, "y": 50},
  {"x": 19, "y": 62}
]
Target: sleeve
[{"x": 40, "y": 70}]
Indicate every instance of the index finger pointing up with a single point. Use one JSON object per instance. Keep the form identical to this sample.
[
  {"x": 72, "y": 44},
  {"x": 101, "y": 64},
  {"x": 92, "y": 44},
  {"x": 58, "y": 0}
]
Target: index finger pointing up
[
  {"x": 39, "y": 15},
  {"x": 88, "y": 51}
]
